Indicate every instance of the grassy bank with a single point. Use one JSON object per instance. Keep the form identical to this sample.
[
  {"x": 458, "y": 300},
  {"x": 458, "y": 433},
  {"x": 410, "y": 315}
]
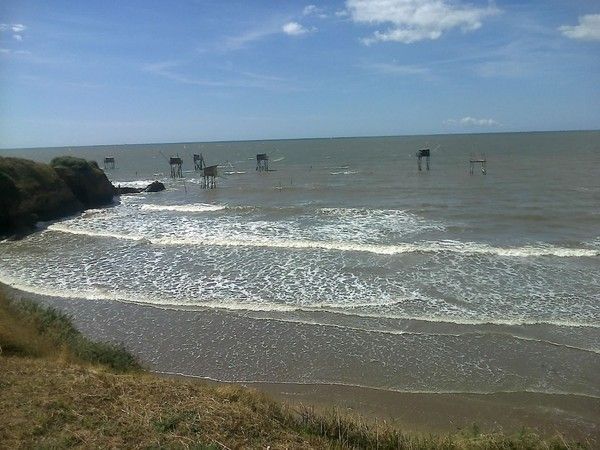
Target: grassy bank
[
  {"x": 58, "y": 389},
  {"x": 27, "y": 329}
]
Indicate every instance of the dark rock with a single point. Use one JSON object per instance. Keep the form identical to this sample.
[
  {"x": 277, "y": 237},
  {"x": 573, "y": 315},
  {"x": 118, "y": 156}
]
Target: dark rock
[
  {"x": 118, "y": 190},
  {"x": 31, "y": 191},
  {"x": 88, "y": 183},
  {"x": 155, "y": 186},
  {"x": 9, "y": 200}
]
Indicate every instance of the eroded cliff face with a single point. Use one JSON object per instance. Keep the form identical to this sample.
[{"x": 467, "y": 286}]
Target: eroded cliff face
[
  {"x": 32, "y": 191},
  {"x": 86, "y": 180}
]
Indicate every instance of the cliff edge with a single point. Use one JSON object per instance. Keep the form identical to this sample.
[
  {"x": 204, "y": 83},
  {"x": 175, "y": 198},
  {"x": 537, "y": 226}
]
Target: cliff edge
[{"x": 31, "y": 191}]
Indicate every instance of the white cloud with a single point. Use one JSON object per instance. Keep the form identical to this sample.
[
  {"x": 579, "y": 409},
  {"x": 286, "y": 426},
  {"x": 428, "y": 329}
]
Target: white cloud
[
  {"x": 175, "y": 71},
  {"x": 14, "y": 27},
  {"x": 587, "y": 30},
  {"x": 9, "y": 52},
  {"x": 314, "y": 10},
  {"x": 294, "y": 29},
  {"x": 18, "y": 37},
  {"x": 415, "y": 20},
  {"x": 309, "y": 9},
  {"x": 18, "y": 27},
  {"x": 472, "y": 121},
  {"x": 398, "y": 69}
]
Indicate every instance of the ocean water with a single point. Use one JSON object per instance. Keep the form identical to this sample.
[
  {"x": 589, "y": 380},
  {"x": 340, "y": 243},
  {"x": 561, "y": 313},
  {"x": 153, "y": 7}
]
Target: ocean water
[{"x": 345, "y": 264}]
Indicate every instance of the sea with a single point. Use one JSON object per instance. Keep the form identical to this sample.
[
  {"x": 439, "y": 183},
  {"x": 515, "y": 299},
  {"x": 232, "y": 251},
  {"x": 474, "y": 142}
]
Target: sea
[{"x": 342, "y": 264}]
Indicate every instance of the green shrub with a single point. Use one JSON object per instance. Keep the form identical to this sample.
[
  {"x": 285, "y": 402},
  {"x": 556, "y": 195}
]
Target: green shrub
[
  {"x": 71, "y": 162},
  {"x": 28, "y": 329}
]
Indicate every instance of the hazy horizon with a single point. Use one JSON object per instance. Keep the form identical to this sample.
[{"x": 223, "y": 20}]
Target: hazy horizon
[{"x": 111, "y": 144}]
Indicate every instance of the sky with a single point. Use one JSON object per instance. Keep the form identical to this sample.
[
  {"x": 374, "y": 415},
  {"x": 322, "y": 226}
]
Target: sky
[{"x": 110, "y": 72}]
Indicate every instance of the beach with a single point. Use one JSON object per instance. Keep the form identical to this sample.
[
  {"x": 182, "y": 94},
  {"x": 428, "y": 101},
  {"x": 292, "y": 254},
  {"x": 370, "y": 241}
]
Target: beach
[
  {"x": 344, "y": 276},
  {"x": 575, "y": 417}
]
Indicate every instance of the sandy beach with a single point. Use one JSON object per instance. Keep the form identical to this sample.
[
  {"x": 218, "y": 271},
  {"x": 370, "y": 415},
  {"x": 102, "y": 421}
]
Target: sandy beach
[{"x": 573, "y": 416}]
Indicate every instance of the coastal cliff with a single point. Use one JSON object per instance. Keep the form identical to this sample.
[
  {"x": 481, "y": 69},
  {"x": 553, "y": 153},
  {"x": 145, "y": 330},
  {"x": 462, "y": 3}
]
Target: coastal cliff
[
  {"x": 85, "y": 179},
  {"x": 31, "y": 191}
]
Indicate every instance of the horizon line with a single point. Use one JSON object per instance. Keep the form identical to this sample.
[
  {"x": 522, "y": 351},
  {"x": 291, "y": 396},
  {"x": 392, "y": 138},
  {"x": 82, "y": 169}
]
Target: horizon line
[{"x": 368, "y": 136}]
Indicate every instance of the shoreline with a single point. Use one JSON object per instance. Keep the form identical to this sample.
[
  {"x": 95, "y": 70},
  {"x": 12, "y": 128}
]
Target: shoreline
[
  {"x": 574, "y": 416},
  {"x": 571, "y": 415}
]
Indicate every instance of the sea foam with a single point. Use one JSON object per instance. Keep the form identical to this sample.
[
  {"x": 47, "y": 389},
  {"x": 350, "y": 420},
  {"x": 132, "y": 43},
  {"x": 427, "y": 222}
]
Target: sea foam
[
  {"x": 193, "y": 207},
  {"x": 466, "y": 248}
]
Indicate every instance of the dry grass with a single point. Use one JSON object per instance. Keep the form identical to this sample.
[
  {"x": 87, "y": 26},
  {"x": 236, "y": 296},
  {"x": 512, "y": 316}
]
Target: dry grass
[{"x": 52, "y": 404}]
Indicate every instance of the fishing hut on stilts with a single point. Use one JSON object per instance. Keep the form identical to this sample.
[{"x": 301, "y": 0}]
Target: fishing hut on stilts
[
  {"x": 199, "y": 162},
  {"x": 209, "y": 177},
  {"x": 481, "y": 160},
  {"x": 262, "y": 162},
  {"x": 109, "y": 162},
  {"x": 423, "y": 153},
  {"x": 176, "y": 164}
]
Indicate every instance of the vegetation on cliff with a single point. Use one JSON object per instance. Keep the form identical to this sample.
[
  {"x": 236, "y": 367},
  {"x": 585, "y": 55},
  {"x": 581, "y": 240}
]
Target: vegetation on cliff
[
  {"x": 56, "y": 393},
  {"x": 32, "y": 191}
]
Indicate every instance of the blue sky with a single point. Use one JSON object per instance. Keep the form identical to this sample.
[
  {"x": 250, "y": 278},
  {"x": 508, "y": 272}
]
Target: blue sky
[{"x": 83, "y": 73}]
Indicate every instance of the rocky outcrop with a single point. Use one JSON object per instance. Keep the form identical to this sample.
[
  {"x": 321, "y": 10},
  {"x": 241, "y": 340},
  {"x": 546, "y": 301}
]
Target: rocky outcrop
[
  {"x": 124, "y": 190},
  {"x": 88, "y": 183},
  {"x": 32, "y": 191},
  {"x": 155, "y": 186}
]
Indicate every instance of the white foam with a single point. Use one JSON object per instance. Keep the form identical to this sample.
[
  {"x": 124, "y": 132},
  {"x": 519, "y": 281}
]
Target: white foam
[
  {"x": 424, "y": 333},
  {"x": 93, "y": 293},
  {"x": 193, "y": 207},
  {"x": 161, "y": 300},
  {"x": 345, "y": 172},
  {"x": 82, "y": 232},
  {"x": 132, "y": 183},
  {"x": 466, "y": 248}
]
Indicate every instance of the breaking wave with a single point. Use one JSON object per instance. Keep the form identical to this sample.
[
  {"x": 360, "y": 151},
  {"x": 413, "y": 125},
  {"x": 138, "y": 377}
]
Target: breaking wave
[
  {"x": 465, "y": 248},
  {"x": 194, "y": 207}
]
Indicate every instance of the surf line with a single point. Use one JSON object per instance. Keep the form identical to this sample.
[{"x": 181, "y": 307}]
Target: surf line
[{"x": 464, "y": 248}]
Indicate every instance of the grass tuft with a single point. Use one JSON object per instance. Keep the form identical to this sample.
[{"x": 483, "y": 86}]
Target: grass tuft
[{"x": 28, "y": 329}]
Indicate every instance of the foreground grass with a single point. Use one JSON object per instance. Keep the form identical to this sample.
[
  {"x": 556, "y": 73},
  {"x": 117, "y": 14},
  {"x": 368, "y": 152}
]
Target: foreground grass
[
  {"x": 58, "y": 389},
  {"x": 27, "y": 329}
]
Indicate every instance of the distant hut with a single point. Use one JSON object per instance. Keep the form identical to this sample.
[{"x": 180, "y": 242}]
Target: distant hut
[
  {"x": 109, "y": 162},
  {"x": 176, "y": 164},
  {"x": 475, "y": 160},
  {"x": 423, "y": 153},
  {"x": 262, "y": 162},
  {"x": 209, "y": 177},
  {"x": 198, "y": 162}
]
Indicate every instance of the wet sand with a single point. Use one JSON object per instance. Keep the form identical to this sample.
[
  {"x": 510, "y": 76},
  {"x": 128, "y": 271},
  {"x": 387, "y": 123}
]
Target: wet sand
[
  {"x": 572, "y": 416},
  {"x": 164, "y": 341}
]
